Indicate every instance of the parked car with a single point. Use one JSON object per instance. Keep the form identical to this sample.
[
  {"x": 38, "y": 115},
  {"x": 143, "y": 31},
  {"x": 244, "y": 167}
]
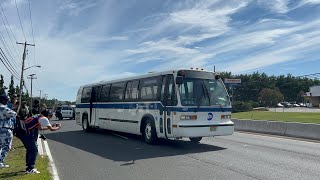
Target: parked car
[
  {"x": 287, "y": 104},
  {"x": 279, "y": 105},
  {"x": 65, "y": 112},
  {"x": 296, "y": 105},
  {"x": 303, "y": 105}
]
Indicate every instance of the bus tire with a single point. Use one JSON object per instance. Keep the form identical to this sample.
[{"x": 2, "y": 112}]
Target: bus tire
[
  {"x": 149, "y": 132},
  {"x": 195, "y": 140},
  {"x": 60, "y": 117},
  {"x": 85, "y": 124}
]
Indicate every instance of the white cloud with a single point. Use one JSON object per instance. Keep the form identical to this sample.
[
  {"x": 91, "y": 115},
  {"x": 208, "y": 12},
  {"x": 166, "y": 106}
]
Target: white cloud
[
  {"x": 312, "y": 2},
  {"x": 75, "y": 7},
  {"x": 277, "y": 6}
]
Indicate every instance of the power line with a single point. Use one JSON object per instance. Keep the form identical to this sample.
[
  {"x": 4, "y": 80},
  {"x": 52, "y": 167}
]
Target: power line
[
  {"x": 34, "y": 47},
  {"x": 5, "y": 17},
  {"x": 7, "y": 49},
  {"x": 8, "y": 62},
  {"x": 6, "y": 66},
  {"x": 7, "y": 26},
  {"x": 15, "y": 1},
  {"x": 4, "y": 57}
]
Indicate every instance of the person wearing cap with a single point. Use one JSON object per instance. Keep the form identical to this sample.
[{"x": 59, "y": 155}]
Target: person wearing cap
[
  {"x": 7, "y": 121},
  {"x": 37, "y": 122}
]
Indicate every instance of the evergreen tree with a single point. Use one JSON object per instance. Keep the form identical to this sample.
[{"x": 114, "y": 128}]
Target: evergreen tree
[
  {"x": 2, "y": 87},
  {"x": 11, "y": 91}
]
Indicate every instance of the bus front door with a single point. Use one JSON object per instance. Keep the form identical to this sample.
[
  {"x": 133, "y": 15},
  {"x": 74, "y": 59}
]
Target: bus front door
[
  {"x": 167, "y": 100},
  {"x": 93, "y": 106}
]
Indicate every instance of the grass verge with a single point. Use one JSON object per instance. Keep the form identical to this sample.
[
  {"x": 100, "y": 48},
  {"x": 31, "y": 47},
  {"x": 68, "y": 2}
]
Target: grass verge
[
  {"x": 16, "y": 160},
  {"x": 303, "y": 117}
]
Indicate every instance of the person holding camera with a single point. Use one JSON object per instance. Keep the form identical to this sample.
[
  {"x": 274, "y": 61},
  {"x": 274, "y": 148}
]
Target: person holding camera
[{"x": 40, "y": 122}]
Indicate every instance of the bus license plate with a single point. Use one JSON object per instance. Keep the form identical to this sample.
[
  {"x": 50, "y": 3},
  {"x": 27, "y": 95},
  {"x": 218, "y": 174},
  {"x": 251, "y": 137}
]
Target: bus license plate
[{"x": 213, "y": 128}]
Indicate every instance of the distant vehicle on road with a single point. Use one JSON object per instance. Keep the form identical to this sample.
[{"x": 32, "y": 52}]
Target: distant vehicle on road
[
  {"x": 65, "y": 112},
  {"x": 171, "y": 105}
]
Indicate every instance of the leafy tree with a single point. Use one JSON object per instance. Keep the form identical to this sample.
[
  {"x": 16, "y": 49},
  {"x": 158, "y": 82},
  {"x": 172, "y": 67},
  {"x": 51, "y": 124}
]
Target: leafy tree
[{"x": 270, "y": 97}]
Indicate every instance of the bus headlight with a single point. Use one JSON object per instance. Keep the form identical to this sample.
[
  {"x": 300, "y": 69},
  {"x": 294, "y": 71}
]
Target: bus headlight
[
  {"x": 188, "y": 117},
  {"x": 225, "y": 116}
]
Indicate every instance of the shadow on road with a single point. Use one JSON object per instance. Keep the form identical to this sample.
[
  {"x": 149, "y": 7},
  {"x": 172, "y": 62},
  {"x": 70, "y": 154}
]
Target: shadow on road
[{"x": 103, "y": 143}]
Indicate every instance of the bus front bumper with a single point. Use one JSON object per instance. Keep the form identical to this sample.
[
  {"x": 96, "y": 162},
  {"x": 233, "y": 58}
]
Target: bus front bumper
[{"x": 204, "y": 130}]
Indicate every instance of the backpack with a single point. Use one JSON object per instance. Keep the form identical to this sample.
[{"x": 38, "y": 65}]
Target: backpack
[{"x": 26, "y": 125}]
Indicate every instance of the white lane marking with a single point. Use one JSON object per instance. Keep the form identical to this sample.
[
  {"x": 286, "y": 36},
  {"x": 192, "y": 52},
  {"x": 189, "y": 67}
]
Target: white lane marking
[
  {"x": 40, "y": 148},
  {"x": 55, "y": 175},
  {"x": 119, "y": 136},
  {"x": 280, "y": 138}
]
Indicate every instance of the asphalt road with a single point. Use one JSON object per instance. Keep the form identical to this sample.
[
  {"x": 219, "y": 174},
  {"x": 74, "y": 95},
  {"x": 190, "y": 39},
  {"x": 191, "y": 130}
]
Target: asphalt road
[{"x": 104, "y": 155}]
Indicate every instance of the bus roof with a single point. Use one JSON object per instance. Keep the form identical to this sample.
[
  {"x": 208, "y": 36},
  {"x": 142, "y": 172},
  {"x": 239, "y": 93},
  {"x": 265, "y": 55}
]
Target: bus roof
[{"x": 151, "y": 74}]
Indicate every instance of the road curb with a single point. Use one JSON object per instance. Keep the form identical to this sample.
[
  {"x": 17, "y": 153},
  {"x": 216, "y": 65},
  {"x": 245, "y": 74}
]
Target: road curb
[
  {"x": 290, "y": 129},
  {"x": 40, "y": 147},
  {"x": 43, "y": 149}
]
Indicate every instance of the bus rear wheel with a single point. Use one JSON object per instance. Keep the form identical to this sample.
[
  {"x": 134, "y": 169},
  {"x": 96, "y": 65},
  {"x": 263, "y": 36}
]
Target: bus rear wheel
[
  {"x": 149, "y": 132},
  {"x": 195, "y": 140}
]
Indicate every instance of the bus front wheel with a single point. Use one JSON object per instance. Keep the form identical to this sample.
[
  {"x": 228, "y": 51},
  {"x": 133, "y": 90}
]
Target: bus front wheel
[
  {"x": 195, "y": 140},
  {"x": 149, "y": 132},
  {"x": 85, "y": 124}
]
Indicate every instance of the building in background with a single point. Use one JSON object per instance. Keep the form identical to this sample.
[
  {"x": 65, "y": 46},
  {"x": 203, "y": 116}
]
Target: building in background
[{"x": 314, "y": 96}]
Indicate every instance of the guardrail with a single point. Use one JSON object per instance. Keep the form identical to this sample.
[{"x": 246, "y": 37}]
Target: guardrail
[{"x": 291, "y": 129}]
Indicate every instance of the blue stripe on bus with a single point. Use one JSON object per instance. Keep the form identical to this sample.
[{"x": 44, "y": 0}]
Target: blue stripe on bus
[{"x": 152, "y": 106}]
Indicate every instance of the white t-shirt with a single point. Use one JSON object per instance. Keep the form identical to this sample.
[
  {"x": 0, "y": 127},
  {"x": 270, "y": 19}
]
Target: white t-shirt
[{"x": 44, "y": 122}]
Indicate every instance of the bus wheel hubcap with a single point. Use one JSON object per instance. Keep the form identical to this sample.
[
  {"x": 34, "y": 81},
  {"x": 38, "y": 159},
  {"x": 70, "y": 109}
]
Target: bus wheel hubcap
[{"x": 148, "y": 131}]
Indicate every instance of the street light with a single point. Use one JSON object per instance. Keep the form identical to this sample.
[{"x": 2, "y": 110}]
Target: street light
[
  {"x": 32, "y": 78},
  {"x": 32, "y": 66}
]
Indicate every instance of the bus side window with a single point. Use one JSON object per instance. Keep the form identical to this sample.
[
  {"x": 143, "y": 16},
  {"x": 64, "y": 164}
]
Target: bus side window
[
  {"x": 104, "y": 95},
  {"x": 149, "y": 89},
  {"x": 117, "y": 92},
  {"x": 96, "y": 93},
  {"x": 128, "y": 95},
  {"x": 86, "y": 95}
]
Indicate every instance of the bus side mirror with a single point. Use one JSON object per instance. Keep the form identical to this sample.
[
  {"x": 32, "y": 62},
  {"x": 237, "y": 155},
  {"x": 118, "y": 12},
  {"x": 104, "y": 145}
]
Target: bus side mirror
[{"x": 179, "y": 80}]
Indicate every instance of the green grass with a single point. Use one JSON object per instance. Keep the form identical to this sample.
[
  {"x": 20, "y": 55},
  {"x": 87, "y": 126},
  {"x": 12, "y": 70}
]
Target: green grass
[
  {"x": 303, "y": 117},
  {"x": 16, "y": 160}
]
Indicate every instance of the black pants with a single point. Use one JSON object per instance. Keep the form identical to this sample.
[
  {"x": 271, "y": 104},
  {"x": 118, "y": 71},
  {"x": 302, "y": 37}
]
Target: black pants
[{"x": 30, "y": 144}]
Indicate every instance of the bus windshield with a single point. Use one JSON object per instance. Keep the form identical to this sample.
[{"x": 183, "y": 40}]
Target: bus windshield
[{"x": 203, "y": 92}]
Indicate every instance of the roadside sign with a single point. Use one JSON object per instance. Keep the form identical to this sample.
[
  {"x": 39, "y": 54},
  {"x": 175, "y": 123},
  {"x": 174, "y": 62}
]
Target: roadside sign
[{"x": 232, "y": 81}]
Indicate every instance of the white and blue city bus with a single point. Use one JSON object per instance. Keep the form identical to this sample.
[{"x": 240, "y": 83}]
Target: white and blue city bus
[{"x": 173, "y": 104}]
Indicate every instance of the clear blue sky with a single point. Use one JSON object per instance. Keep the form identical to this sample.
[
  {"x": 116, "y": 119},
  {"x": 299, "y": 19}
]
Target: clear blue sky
[{"x": 84, "y": 41}]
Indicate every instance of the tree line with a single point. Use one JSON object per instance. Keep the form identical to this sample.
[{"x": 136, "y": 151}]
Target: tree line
[
  {"x": 259, "y": 89},
  {"x": 14, "y": 91}
]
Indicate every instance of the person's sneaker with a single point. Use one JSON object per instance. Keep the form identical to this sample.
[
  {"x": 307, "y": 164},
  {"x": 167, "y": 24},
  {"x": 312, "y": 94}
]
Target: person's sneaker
[
  {"x": 2, "y": 165},
  {"x": 32, "y": 171}
]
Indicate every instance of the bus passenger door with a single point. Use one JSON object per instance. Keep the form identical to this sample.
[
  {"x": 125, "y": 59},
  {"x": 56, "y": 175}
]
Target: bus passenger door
[
  {"x": 94, "y": 105},
  {"x": 167, "y": 100}
]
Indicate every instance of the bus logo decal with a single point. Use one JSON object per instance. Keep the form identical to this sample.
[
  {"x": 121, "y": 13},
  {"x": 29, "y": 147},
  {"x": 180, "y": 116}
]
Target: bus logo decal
[{"x": 210, "y": 116}]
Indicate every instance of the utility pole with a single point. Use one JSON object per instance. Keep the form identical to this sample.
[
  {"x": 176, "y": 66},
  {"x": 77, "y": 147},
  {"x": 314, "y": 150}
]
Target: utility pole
[
  {"x": 22, "y": 69},
  {"x": 40, "y": 98},
  {"x": 32, "y": 78},
  {"x": 45, "y": 98}
]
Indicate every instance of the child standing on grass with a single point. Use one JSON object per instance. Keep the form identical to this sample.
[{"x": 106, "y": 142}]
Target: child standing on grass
[{"x": 7, "y": 121}]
